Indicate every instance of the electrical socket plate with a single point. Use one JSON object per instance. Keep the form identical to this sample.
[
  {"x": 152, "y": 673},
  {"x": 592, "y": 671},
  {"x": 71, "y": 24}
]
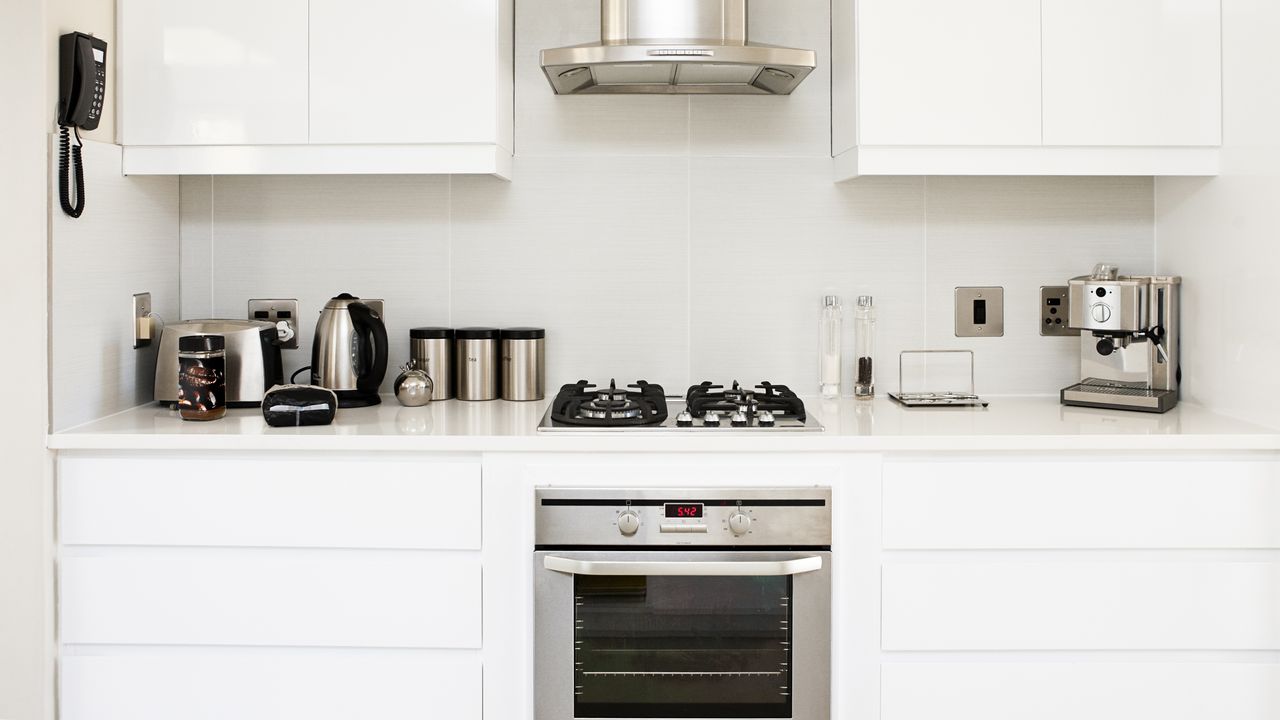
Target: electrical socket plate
[
  {"x": 979, "y": 312},
  {"x": 1055, "y": 308},
  {"x": 277, "y": 311},
  {"x": 142, "y": 322}
]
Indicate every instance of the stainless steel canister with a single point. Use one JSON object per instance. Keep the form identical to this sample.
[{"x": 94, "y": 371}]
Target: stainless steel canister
[
  {"x": 431, "y": 350},
  {"x": 524, "y": 363},
  {"x": 476, "y": 361}
]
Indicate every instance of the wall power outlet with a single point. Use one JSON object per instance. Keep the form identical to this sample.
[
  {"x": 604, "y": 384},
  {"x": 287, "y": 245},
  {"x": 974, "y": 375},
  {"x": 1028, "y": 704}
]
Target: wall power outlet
[
  {"x": 143, "y": 324},
  {"x": 1055, "y": 308},
  {"x": 278, "y": 311}
]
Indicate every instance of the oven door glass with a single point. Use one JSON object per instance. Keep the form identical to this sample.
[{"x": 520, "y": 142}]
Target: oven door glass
[{"x": 682, "y": 646}]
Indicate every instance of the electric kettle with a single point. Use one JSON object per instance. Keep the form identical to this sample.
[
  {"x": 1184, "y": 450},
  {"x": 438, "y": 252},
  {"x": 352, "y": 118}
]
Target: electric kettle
[{"x": 349, "y": 355}]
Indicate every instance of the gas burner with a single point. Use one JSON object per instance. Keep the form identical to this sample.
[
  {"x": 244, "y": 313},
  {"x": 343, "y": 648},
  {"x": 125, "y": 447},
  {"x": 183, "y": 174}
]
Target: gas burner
[
  {"x": 772, "y": 402},
  {"x": 582, "y": 404},
  {"x": 766, "y": 408}
]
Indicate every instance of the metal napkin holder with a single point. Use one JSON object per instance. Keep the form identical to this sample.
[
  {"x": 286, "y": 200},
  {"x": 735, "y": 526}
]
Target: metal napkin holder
[{"x": 939, "y": 398}]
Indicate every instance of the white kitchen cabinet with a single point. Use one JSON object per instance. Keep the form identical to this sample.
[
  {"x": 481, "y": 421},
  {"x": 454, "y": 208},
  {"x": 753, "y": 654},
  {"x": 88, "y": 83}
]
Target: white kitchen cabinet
[
  {"x": 1107, "y": 604},
  {"x": 1026, "y": 87},
  {"x": 316, "y": 685},
  {"x": 319, "y": 87},
  {"x": 268, "y": 585},
  {"x": 940, "y": 72},
  {"x": 269, "y": 502},
  {"x": 226, "y": 73},
  {"x": 1017, "y": 504},
  {"x": 1065, "y": 690},
  {"x": 395, "y": 71},
  {"x": 1133, "y": 72}
]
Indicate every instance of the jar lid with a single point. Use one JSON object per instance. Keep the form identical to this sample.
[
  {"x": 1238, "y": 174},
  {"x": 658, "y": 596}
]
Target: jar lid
[
  {"x": 202, "y": 343},
  {"x": 477, "y": 333},
  {"x": 523, "y": 333},
  {"x": 431, "y": 333}
]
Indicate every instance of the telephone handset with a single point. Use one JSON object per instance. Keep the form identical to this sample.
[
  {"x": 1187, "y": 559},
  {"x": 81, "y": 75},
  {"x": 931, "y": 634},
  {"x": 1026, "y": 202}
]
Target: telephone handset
[{"x": 82, "y": 87}]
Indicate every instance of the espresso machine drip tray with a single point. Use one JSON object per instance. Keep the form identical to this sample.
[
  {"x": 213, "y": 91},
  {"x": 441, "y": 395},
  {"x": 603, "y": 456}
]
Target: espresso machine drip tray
[{"x": 1102, "y": 394}]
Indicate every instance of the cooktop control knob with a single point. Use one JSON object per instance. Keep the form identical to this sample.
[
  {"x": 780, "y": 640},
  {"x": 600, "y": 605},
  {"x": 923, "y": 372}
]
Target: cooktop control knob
[
  {"x": 711, "y": 419},
  {"x": 628, "y": 523},
  {"x": 739, "y": 523},
  {"x": 765, "y": 419},
  {"x": 738, "y": 419},
  {"x": 684, "y": 419}
]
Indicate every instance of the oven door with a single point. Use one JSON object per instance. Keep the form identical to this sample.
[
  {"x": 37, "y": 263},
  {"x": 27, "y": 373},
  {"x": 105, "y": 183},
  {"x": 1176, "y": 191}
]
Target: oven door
[{"x": 683, "y": 634}]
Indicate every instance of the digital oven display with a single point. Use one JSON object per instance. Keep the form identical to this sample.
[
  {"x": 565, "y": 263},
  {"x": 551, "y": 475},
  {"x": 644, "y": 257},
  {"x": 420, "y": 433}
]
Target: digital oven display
[{"x": 683, "y": 510}]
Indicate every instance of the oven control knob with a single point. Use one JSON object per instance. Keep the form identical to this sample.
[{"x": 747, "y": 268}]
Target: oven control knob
[
  {"x": 739, "y": 523},
  {"x": 738, "y": 419},
  {"x": 711, "y": 419},
  {"x": 684, "y": 419},
  {"x": 628, "y": 523}
]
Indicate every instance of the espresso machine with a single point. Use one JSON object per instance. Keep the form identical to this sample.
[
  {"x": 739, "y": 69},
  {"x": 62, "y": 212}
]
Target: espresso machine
[{"x": 1128, "y": 342}]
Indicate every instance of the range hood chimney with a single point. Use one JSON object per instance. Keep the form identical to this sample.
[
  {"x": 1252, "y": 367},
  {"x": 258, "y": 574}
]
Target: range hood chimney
[{"x": 675, "y": 47}]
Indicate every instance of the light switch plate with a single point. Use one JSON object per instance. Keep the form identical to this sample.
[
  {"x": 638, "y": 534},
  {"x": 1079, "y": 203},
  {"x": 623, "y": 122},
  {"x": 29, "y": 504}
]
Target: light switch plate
[
  {"x": 142, "y": 322},
  {"x": 979, "y": 312},
  {"x": 276, "y": 311},
  {"x": 1055, "y": 308}
]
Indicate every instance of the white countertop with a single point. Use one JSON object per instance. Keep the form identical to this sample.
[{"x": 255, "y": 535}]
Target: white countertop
[{"x": 1010, "y": 423}]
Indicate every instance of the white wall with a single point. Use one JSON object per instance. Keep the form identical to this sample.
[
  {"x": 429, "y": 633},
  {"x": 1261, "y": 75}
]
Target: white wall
[
  {"x": 1220, "y": 234},
  {"x": 126, "y": 242},
  {"x": 671, "y": 237},
  {"x": 26, "y": 677}
]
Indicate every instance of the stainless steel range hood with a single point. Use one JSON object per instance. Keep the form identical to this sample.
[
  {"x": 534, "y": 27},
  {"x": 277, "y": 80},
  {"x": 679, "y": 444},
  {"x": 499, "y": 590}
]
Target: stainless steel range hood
[{"x": 675, "y": 46}]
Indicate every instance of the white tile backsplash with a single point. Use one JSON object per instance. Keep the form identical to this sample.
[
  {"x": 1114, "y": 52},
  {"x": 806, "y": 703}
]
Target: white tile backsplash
[
  {"x": 677, "y": 238},
  {"x": 1022, "y": 233},
  {"x": 314, "y": 237},
  {"x": 126, "y": 242}
]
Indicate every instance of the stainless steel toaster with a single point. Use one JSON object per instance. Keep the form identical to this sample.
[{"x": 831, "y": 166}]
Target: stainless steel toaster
[{"x": 253, "y": 359}]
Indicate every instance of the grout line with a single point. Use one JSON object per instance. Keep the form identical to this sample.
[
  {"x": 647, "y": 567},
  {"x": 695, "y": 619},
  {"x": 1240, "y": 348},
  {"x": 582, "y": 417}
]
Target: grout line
[
  {"x": 688, "y": 243},
  {"x": 449, "y": 246}
]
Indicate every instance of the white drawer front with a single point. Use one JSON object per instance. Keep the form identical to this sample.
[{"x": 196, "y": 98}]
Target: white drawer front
[
  {"x": 329, "y": 686},
  {"x": 1081, "y": 505},
  {"x": 1075, "y": 691},
  {"x": 281, "y": 597},
  {"x": 205, "y": 500},
  {"x": 1081, "y": 606}
]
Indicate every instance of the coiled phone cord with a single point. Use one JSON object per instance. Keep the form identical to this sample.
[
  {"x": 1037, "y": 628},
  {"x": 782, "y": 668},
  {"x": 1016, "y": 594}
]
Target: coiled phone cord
[{"x": 69, "y": 156}]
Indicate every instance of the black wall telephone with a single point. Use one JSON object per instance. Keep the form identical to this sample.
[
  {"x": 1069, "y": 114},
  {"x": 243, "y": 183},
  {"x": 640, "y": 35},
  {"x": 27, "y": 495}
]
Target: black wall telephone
[{"x": 82, "y": 86}]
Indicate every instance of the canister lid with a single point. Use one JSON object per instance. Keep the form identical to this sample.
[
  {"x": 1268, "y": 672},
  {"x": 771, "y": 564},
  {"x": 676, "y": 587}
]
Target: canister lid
[
  {"x": 431, "y": 333},
  {"x": 477, "y": 333},
  {"x": 523, "y": 333},
  {"x": 202, "y": 343}
]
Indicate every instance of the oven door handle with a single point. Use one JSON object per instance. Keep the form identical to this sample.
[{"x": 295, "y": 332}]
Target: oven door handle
[{"x": 759, "y": 568}]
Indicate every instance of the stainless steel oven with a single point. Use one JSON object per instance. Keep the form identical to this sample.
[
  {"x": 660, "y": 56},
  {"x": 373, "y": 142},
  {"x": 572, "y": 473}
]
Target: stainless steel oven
[{"x": 690, "y": 604}]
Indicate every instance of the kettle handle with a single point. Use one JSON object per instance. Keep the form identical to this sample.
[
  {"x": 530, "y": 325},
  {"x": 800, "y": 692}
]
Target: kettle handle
[{"x": 367, "y": 322}]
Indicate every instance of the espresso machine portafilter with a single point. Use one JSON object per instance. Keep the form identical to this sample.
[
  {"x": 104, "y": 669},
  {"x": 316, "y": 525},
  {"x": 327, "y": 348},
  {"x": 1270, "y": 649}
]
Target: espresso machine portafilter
[{"x": 1129, "y": 340}]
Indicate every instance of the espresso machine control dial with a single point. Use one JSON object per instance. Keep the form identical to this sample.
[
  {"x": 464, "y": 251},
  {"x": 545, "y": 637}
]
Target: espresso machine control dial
[{"x": 1101, "y": 312}]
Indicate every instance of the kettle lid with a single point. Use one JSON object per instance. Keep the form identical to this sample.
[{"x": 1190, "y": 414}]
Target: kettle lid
[{"x": 345, "y": 296}]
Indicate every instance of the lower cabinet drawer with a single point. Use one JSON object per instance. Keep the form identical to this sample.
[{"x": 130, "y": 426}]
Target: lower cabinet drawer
[
  {"x": 1081, "y": 504},
  {"x": 264, "y": 501},
  {"x": 1076, "y": 691},
  {"x": 403, "y": 599},
  {"x": 402, "y": 685},
  {"x": 1119, "y": 605}
]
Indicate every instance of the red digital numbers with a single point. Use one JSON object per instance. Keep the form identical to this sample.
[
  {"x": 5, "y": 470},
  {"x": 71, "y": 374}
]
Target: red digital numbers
[{"x": 692, "y": 510}]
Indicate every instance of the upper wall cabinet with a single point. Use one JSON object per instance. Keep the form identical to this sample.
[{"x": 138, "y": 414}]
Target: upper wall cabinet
[
  {"x": 1026, "y": 87},
  {"x": 316, "y": 87}
]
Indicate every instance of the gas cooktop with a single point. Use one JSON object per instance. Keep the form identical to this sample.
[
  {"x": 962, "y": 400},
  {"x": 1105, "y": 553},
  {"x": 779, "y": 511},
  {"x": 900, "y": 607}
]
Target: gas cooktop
[{"x": 641, "y": 405}]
